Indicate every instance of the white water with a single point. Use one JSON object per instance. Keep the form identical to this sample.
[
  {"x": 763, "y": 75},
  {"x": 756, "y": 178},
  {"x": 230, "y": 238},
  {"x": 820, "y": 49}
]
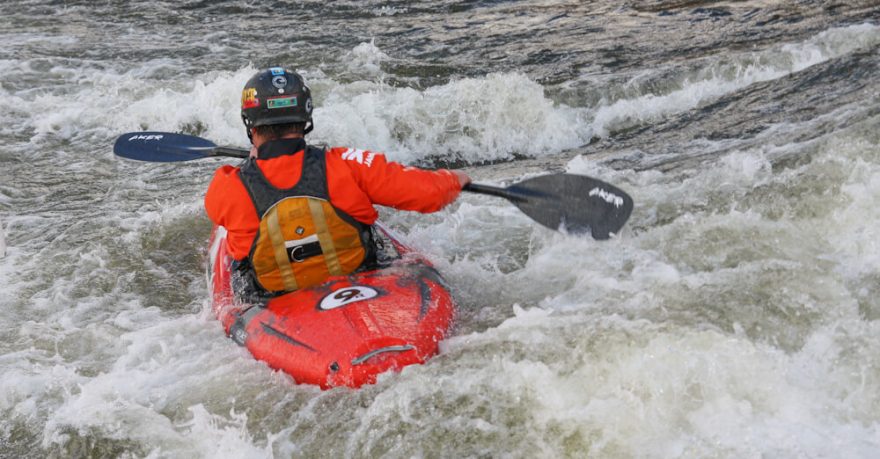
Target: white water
[
  {"x": 717, "y": 76},
  {"x": 659, "y": 345},
  {"x": 2, "y": 241},
  {"x": 482, "y": 119},
  {"x": 736, "y": 316}
]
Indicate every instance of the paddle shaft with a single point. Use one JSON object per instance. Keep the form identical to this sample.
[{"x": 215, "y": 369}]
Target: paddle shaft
[
  {"x": 232, "y": 152},
  {"x": 235, "y": 152},
  {"x": 579, "y": 204},
  {"x": 477, "y": 188},
  {"x": 490, "y": 190}
]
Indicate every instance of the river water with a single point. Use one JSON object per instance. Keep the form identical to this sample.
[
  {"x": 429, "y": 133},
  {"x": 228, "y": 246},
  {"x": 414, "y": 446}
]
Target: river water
[{"x": 737, "y": 315}]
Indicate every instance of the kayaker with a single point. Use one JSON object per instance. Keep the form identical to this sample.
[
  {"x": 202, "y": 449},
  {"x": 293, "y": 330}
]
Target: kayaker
[{"x": 297, "y": 214}]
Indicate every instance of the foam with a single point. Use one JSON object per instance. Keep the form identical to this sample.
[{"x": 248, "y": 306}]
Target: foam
[
  {"x": 2, "y": 241},
  {"x": 479, "y": 119},
  {"x": 365, "y": 60},
  {"x": 475, "y": 119},
  {"x": 730, "y": 320},
  {"x": 733, "y": 316},
  {"x": 635, "y": 388},
  {"x": 145, "y": 395}
]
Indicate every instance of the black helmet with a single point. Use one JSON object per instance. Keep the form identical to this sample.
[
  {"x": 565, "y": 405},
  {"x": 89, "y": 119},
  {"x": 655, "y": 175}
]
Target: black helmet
[{"x": 276, "y": 96}]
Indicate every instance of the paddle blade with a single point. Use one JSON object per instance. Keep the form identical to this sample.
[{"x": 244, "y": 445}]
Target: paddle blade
[
  {"x": 576, "y": 203},
  {"x": 162, "y": 147}
]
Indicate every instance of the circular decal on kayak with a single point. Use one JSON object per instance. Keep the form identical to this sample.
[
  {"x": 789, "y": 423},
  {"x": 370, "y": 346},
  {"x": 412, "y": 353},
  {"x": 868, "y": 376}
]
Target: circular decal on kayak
[{"x": 346, "y": 296}]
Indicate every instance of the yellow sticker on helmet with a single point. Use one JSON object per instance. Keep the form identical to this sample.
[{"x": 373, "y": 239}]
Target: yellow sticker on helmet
[{"x": 249, "y": 98}]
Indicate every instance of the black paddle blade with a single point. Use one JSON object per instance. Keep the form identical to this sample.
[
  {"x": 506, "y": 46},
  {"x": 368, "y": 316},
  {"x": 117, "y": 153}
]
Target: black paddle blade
[
  {"x": 575, "y": 203},
  {"x": 162, "y": 147}
]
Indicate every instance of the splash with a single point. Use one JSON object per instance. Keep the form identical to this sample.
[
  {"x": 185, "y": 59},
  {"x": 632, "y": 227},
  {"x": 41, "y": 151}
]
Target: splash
[
  {"x": 2, "y": 241},
  {"x": 473, "y": 119}
]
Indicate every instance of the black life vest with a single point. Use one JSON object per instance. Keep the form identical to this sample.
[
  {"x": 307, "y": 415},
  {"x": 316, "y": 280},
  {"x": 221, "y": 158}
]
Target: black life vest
[{"x": 303, "y": 239}]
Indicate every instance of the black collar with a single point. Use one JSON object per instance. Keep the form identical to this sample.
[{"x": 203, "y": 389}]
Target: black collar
[{"x": 280, "y": 147}]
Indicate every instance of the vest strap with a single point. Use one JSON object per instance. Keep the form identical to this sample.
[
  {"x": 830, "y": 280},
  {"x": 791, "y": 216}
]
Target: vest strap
[
  {"x": 281, "y": 257},
  {"x": 300, "y": 253},
  {"x": 325, "y": 238}
]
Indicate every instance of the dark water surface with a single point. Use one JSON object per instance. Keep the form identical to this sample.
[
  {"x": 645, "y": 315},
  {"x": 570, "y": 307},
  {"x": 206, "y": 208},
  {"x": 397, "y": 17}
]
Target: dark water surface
[{"x": 736, "y": 315}]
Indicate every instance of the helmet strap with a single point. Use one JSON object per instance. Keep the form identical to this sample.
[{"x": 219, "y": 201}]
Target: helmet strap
[{"x": 309, "y": 126}]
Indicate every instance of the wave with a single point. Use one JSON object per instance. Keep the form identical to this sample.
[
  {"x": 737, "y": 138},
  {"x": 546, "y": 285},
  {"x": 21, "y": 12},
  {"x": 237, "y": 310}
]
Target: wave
[{"x": 495, "y": 117}]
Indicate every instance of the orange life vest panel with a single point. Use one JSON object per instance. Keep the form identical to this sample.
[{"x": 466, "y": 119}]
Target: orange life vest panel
[{"x": 302, "y": 239}]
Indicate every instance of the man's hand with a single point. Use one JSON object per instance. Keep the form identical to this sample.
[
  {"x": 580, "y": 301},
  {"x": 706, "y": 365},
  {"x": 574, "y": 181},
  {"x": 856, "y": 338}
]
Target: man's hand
[{"x": 463, "y": 179}]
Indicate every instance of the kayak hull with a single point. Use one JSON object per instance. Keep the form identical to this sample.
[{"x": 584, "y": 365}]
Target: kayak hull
[{"x": 346, "y": 331}]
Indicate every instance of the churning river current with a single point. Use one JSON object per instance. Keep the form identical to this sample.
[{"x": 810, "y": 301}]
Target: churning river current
[{"x": 736, "y": 315}]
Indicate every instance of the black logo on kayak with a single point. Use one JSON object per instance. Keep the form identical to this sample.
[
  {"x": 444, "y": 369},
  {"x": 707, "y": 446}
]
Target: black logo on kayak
[{"x": 346, "y": 296}]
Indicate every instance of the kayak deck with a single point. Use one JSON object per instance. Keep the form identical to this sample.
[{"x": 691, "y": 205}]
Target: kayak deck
[{"x": 346, "y": 331}]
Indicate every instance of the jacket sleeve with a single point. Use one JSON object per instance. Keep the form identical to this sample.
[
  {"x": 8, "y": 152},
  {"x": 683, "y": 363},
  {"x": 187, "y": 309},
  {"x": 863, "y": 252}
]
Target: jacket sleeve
[
  {"x": 215, "y": 198},
  {"x": 227, "y": 202},
  {"x": 403, "y": 187}
]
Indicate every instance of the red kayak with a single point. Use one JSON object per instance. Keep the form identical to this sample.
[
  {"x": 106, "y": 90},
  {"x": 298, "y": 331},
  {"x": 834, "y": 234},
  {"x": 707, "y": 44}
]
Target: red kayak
[{"x": 346, "y": 331}]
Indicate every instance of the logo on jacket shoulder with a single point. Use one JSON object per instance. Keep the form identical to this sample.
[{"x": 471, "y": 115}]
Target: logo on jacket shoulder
[{"x": 361, "y": 156}]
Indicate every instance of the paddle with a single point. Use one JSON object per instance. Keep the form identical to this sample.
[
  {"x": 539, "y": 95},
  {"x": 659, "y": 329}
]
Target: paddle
[
  {"x": 167, "y": 147},
  {"x": 575, "y": 203}
]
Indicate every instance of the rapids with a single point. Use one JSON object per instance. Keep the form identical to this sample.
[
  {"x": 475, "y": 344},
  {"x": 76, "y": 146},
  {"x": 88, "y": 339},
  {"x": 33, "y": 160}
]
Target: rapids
[{"x": 737, "y": 314}]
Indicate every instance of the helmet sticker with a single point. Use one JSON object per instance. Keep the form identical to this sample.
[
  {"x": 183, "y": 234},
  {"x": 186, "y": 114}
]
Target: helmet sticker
[
  {"x": 277, "y": 71},
  {"x": 249, "y": 98},
  {"x": 281, "y": 102},
  {"x": 279, "y": 81},
  {"x": 309, "y": 105}
]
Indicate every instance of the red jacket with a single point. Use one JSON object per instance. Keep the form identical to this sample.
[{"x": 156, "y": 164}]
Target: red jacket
[{"x": 356, "y": 180}]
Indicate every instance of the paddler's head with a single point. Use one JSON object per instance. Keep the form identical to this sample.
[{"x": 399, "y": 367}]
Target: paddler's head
[{"x": 276, "y": 103}]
